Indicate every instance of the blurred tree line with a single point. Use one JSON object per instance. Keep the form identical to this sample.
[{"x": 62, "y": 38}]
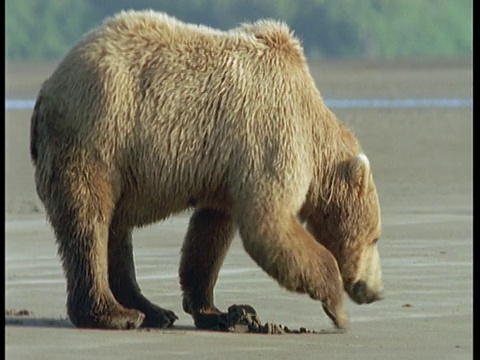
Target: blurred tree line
[{"x": 384, "y": 29}]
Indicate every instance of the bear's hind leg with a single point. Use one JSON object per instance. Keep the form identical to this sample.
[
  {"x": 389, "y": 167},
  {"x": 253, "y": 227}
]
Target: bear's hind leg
[
  {"x": 123, "y": 282},
  {"x": 78, "y": 200},
  {"x": 210, "y": 233},
  {"x": 82, "y": 246}
]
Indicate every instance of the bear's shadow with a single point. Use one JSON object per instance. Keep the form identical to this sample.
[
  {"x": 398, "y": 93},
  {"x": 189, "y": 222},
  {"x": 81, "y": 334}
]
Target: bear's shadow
[
  {"x": 26, "y": 321},
  {"x": 64, "y": 323},
  {"x": 241, "y": 318}
]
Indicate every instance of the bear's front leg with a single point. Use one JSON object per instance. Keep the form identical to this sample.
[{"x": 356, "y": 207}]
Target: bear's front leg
[
  {"x": 281, "y": 246},
  {"x": 209, "y": 235}
]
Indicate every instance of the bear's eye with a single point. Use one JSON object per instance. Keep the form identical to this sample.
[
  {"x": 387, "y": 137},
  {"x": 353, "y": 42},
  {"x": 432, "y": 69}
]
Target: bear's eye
[{"x": 374, "y": 242}]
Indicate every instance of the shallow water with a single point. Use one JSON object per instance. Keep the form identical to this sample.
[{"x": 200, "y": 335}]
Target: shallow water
[{"x": 25, "y": 104}]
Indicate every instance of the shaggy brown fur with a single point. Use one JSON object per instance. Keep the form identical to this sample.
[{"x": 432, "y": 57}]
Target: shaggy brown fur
[{"x": 147, "y": 116}]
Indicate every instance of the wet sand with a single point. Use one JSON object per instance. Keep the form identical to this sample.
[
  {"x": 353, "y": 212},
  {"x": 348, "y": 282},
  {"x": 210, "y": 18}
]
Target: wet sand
[{"x": 422, "y": 162}]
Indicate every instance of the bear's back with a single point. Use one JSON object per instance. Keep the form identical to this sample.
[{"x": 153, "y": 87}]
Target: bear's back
[{"x": 144, "y": 80}]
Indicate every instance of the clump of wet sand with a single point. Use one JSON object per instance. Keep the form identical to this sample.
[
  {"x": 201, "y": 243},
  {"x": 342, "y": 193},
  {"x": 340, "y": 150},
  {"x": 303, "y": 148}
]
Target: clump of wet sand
[
  {"x": 244, "y": 319},
  {"x": 23, "y": 312}
]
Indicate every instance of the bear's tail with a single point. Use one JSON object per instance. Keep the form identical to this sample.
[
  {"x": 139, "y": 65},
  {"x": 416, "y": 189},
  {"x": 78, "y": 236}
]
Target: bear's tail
[{"x": 34, "y": 120}]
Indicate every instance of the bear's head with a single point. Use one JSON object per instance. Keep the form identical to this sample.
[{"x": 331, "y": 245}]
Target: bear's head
[{"x": 348, "y": 223}]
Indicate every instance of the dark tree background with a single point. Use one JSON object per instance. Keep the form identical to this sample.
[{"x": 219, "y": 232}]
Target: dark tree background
[{"x": 383, "y": 29}]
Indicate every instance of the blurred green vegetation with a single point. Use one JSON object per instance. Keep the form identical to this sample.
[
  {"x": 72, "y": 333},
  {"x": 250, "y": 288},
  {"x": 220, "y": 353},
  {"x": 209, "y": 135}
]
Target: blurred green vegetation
[{"x": 374, "y": 29}]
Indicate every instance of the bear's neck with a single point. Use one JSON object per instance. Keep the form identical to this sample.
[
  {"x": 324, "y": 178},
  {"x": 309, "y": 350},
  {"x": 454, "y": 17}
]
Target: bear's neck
[{"x": 333, "y": 143}]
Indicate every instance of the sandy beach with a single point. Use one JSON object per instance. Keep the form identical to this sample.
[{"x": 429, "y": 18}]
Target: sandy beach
[{"x": 422, "y": 160}]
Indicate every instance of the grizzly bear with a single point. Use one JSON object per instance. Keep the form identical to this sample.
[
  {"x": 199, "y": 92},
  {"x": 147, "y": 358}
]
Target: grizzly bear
[{"x": 148, "y": 116}]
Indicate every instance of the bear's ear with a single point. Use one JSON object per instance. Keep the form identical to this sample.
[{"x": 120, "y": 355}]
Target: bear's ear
[{"x": 358, "y": 173}]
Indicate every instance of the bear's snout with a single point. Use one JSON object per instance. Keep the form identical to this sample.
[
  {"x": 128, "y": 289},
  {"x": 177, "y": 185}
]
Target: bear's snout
[{"x": 361, "y": 293}]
